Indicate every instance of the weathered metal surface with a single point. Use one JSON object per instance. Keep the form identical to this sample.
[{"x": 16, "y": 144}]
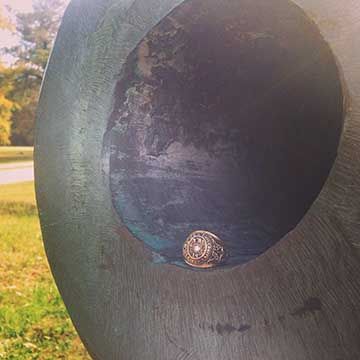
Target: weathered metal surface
[
  {"x": 299, "y": 300},
  {"x": 226, "y": 121}
]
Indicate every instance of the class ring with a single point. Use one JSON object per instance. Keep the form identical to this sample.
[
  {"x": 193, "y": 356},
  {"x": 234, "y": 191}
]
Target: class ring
[{"x": 203, "y": 250}]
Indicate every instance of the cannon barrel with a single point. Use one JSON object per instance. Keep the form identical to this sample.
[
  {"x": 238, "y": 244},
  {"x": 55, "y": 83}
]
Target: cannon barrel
[{"x": 238, "y": 118}]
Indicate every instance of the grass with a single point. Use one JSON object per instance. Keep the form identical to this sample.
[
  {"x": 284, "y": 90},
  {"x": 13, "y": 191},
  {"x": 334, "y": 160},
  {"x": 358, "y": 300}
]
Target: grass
[
  {"x": 34, "y": 323},
  {"x": 9, "y": 154}
]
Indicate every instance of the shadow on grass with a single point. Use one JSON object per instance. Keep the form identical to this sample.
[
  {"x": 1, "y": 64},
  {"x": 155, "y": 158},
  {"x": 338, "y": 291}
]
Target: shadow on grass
[{"x": 18, "y": 209}]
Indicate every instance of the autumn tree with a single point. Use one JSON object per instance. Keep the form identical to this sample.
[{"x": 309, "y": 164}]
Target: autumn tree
[
  {"x": 5, "y": 22},
  {"x": 6, "y": 105},
  {"x": 36, "y": 31},
  {"x": 6, "y": 108}
]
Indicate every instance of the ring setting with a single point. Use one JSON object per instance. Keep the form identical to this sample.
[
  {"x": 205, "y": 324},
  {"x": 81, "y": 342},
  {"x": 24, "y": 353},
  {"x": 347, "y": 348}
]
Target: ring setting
[{"x": 203, "y": 250}]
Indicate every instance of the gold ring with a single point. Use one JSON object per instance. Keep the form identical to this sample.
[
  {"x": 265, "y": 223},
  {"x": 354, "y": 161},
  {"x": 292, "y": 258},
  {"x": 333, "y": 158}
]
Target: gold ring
[{"x": 204, "y": 250}]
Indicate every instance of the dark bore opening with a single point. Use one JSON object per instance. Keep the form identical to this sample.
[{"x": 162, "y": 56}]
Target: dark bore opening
[{"x": 227, "y": 118}]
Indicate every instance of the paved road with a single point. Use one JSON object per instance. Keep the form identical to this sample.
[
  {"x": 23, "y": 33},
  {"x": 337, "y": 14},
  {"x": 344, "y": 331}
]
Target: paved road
[{"x": 16, "y": 172}]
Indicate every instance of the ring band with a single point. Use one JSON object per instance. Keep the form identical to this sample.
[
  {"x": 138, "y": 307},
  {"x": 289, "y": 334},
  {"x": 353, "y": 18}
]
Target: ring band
[{"x": 203, "y": 250}]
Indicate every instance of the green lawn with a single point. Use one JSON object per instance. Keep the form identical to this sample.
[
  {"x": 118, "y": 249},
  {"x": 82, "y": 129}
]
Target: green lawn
[
  {"x": 34, "y": 323},
  {"x": 9, "y": 154}
]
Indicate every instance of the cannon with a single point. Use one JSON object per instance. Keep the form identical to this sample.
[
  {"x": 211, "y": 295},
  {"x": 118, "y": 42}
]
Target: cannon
[{"x": 196, "y": 169}]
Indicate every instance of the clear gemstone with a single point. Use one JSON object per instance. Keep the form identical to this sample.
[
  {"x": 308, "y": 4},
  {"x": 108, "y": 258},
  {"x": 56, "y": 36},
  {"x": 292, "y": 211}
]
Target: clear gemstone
[{"x": 196, "y": 248}]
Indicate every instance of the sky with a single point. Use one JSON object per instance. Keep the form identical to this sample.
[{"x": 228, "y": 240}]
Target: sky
[{"x": 19, "y": 5}]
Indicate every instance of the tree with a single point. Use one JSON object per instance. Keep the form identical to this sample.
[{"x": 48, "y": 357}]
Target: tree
[
  {"x": 6, "y": 106},
  {"x": 36, "y": 31},
  {"x": 5, "y": 22},
  {"x": 23, "y": 91}
]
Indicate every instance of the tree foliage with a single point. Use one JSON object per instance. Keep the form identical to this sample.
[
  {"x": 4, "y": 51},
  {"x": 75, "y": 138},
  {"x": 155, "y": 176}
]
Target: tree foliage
[
  {"x": 6, "y": 106},
  {"x": 5, "y": 22},
  {"x": 36, "y": 31},
  {"x": 23, "y": 93}
]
